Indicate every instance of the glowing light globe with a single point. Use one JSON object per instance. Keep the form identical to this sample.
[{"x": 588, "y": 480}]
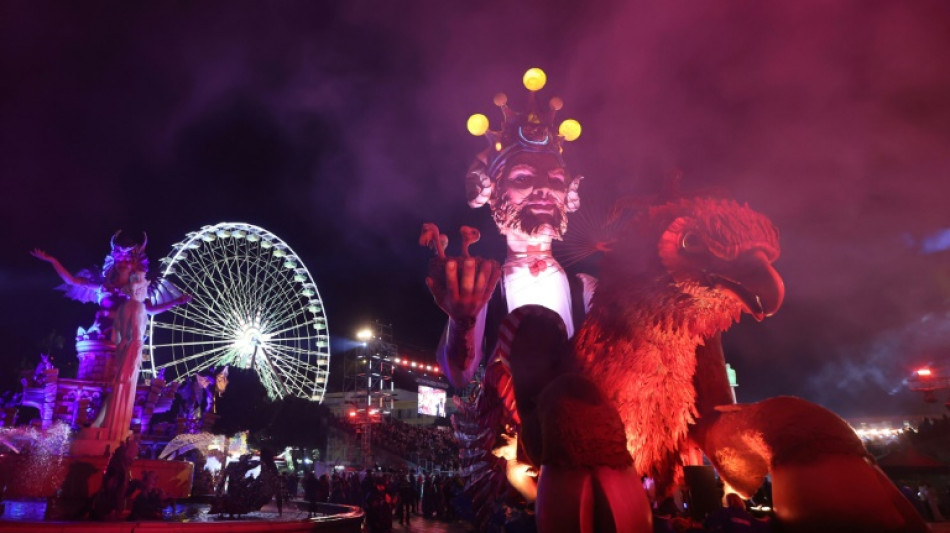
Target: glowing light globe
[
  {"x": 534, "y": 79},
  {"x": 570, "y": 129},
  {"x": 477, "y": 124}
]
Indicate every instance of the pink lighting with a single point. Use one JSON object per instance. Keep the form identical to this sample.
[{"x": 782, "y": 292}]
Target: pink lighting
[{"x": 924, "y": 372}]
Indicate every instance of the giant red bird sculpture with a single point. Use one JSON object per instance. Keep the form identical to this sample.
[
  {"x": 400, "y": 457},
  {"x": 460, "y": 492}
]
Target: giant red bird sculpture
[
  {"x": 683, "y": 273},
  {"x": 646, "y": 369},
  {"x": 681, "y": 276}
]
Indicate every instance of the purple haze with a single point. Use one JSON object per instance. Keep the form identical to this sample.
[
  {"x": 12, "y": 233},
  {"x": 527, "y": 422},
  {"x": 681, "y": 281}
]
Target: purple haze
[{"x": 339, "y": 126}]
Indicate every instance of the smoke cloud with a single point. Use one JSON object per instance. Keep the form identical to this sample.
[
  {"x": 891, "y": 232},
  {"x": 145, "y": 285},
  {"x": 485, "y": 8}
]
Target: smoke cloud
[{"x": 339, "y": 126}]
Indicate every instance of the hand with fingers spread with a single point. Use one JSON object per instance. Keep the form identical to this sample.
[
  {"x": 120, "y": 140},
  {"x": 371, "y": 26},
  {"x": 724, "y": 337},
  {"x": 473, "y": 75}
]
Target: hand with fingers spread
[
  {"x": 461, "y": 287},
  {"x": 463, "y": 292}
]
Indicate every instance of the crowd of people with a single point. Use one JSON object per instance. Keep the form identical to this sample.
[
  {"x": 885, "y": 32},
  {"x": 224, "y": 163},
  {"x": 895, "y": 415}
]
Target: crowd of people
[
  {"x": 388, "y": 496},
  {"x": 734, "y": 517},
  {"x": 429, "y": 446}
]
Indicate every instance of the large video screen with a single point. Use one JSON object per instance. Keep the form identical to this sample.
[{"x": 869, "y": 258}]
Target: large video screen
[{"x": 431, "y": 401}]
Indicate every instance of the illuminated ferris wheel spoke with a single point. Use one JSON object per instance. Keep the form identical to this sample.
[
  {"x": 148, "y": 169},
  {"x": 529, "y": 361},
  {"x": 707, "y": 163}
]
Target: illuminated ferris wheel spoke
[
  {"x": 288, "y": 350},
  {"x": 305, "y": 338},
  {"x": 198, "y": 356},
  {"x": 201, "y": 290},
  {"x": 296, "y": 325},
  {"x": 199, "y": 368},
  {"x": 194, "y": 331},
  {"x": 290, "y": 364},
  {"x": 254, "y": 306},
  {"x": 192, "y": 343},
  {"x": 282, "y": 309},
  {"x": 194, "y": 322},
  {"x": 248, "y": 283},
  {"x": 225, "y": 287},
  {"x": 237, "y": 287},
  {"x": 210, "y": 323},
  {"x": 203, "y": 307},
  {"x": 288, "y": 358},
  {"x": 266, "y": 367},
  {"x": 299, "y": 318}
]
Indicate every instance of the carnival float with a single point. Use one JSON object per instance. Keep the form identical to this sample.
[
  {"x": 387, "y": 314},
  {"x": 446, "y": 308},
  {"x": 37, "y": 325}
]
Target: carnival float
[
  {"x": 106, "y": 432},
  {"x": 624, "y": 376}
]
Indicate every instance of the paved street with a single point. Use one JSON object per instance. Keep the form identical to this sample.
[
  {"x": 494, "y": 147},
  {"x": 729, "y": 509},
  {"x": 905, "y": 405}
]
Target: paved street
[{"x": 422, "y": 525}]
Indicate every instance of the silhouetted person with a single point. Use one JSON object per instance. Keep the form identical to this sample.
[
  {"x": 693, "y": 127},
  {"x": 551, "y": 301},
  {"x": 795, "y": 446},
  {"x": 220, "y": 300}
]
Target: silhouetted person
[
  {"x": 379, "y": 509},
  {"x": 310, "y": 487},
  {"x": 734, "y": 518},
  {"x": 405, "y": 491}
]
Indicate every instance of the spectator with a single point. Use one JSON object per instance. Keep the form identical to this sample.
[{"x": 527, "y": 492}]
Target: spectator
[
  {"x": 733, "y": 518},
  {"x": 310, "y": 491},
  {"x": 379, "y": 510}
]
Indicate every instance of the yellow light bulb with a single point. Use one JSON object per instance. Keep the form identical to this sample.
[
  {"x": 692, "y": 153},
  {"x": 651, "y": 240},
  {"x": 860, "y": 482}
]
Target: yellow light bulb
[
  {"x": 570, "y": 129},
  {"x": 534, "y": 79},
  {"x": 477, "y": 124}
]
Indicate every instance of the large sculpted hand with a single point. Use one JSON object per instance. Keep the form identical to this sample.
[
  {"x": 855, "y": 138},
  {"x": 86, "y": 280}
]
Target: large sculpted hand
[
  {"x": 461, "y": 287},
  {"x": 463, "y": 293}
]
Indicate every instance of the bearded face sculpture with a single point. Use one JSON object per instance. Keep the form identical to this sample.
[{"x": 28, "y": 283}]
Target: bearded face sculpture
[{"x": 531, "y": 196}]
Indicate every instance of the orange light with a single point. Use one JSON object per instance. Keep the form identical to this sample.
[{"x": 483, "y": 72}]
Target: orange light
[{"x": 923, "y": 372}]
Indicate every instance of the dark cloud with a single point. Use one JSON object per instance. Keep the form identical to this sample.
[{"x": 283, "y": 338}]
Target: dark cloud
[{"x": 339, "y": 127}]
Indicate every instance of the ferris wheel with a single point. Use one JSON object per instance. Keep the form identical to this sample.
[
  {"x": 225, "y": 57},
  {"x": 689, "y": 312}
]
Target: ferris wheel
[{"x": 254, "y": 306}]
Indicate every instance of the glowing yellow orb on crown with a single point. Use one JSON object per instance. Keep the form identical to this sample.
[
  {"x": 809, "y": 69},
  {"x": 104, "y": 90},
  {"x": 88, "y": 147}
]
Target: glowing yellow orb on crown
[
  {"x": 477, "y": 124},
  {"x": 534, "y": 79},
  {"x": 570, "y": 129}
]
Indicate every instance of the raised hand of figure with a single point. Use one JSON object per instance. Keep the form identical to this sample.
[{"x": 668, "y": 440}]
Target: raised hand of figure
[
  {"x": 461, "y": 286},
  {"x": 41, "y": 255},
  {"x": 464, "y": 286},
  {"x": 508, "y": 450}
]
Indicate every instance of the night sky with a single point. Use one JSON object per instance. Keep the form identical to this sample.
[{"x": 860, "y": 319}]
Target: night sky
[{"x": 339, "y": 126}]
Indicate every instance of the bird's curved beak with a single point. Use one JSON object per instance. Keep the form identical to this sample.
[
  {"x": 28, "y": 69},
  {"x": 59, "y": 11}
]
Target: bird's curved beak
[{"x": 753, "y": 280}]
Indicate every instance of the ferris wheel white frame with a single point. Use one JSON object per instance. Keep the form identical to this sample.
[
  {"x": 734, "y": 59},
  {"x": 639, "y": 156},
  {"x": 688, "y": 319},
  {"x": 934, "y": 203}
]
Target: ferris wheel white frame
[{"x": 225, "y": 324}]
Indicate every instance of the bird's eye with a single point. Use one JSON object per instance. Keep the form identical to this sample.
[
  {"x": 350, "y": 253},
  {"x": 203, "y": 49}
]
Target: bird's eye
[{"x": 692, "y": 244}]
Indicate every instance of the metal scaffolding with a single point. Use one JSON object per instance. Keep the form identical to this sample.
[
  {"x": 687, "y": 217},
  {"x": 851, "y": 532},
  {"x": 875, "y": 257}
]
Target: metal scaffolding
[{"x": 369, "y": 387}]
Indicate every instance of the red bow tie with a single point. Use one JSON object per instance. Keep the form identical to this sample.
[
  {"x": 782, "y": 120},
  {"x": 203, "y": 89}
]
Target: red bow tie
[{"x": 537, "y": 266}]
